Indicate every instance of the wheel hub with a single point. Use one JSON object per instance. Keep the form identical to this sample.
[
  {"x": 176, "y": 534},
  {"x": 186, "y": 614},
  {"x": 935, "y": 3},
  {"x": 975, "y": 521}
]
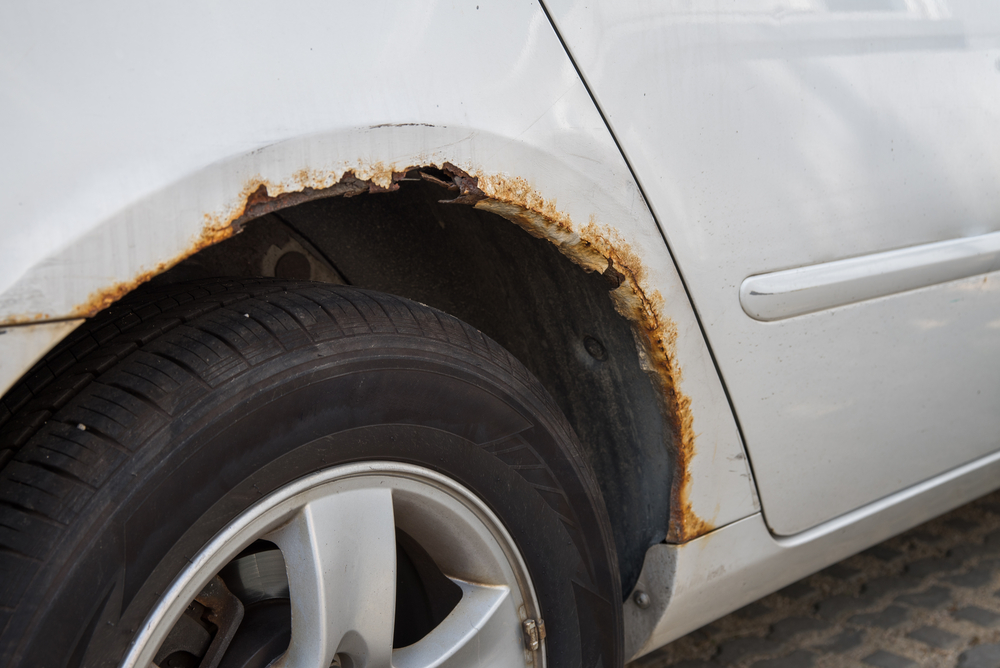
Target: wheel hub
[{"x": 353, "y": 555}]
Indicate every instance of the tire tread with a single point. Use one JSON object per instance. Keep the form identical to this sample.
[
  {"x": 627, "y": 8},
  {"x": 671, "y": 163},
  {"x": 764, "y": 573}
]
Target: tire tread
[
  {"x": 83, "y": 381},
  {"x": 66, "y": 427}
]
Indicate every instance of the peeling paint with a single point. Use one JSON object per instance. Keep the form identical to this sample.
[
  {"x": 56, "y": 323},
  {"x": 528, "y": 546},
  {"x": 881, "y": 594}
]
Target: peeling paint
[
  {"x": 594, "y": 247},
  {"x": 260, "y": 202}
]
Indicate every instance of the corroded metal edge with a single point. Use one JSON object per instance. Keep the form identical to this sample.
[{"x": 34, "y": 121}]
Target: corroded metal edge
[{"x": 594, "y": 247}]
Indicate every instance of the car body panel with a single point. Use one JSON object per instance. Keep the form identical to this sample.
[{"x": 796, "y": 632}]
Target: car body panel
[
  {"x": 792, "y": 292},
  {"x": 126, "y": 153},
  {"x": 136, "y": 135},
  {"x": 703, "y": 579},
  {"x": 774, "y": 135}
]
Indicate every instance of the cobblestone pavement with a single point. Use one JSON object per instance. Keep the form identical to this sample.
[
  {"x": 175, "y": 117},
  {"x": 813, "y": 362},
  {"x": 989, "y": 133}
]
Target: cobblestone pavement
[{"x": 928, "y": 597}]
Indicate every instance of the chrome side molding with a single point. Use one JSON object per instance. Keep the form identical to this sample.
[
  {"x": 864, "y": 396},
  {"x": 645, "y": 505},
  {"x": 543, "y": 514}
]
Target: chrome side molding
[{"x": 791, "y": 292}]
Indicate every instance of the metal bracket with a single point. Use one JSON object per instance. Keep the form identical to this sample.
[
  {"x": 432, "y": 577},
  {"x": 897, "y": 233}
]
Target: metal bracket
[
  {"x": 644, "y": 607},
  {"x": 534, "y": 633},
  {"x": 226, "y": 614}
]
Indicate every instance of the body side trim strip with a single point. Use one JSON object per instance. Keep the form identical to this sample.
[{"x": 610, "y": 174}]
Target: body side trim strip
[
  {"x": 699, "y": 581},
  {"x": 792, "y": 292}
]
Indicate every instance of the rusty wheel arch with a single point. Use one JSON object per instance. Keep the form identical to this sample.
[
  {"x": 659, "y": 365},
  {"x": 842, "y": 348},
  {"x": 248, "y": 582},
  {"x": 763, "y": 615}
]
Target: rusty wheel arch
[{"x": 595, "y": 248}]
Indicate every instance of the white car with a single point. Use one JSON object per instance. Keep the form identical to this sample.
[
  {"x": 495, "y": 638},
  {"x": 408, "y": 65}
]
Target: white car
[{"x": 502, "y": 334}]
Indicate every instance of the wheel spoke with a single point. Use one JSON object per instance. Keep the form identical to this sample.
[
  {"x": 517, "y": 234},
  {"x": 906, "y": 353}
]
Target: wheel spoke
[
  {"x": 482, "y": 630},
  {"x": 340, "y": 555}
]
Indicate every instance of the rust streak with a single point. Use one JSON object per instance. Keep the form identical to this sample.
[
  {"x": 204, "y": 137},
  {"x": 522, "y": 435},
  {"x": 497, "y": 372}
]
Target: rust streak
[{"x": 25, "y": 319}]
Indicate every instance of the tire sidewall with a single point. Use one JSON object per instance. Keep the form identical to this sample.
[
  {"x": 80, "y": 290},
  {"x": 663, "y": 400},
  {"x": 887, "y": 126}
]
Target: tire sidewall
[{"x": 377, "y": 397}]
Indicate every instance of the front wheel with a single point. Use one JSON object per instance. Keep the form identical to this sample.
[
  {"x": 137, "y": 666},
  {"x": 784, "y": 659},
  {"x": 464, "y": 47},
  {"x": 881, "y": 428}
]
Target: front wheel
[{"x": 244, "y": 474}]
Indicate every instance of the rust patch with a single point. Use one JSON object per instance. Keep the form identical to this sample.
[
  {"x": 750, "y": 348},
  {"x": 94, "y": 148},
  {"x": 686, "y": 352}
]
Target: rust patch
[
  {"x": 468, "y": 186},
  {"x": 260, "y": 203},
  {"x": 101, "y": 299},
  {"x": 26, "y": 319}
]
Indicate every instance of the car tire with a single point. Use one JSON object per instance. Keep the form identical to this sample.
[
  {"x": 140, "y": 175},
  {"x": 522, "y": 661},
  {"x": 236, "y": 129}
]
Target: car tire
[{"x": 180, "y": 417}]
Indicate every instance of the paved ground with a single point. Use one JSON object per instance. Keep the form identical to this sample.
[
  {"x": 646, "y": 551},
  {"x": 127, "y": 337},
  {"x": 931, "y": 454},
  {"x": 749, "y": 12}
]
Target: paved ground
[{"x": 928, "y": 597}]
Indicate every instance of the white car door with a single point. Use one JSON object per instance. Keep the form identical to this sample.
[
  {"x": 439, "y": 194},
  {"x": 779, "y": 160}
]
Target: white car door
[{"x": 772, "y": 135}]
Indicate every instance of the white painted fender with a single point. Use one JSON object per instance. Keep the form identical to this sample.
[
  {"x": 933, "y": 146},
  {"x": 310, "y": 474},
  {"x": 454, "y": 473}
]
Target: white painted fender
[{"x": 133, "y": 134}]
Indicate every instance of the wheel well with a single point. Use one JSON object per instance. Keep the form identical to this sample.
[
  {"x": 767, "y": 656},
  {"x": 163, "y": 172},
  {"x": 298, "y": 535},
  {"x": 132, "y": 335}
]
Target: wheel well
[{"x": 554, "y": 316}]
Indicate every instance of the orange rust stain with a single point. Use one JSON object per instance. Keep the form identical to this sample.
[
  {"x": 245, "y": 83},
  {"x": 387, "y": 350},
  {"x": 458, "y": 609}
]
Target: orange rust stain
[
  {"x": 101, "y": 299},
  {"x": 25, "y": 319},
  {"x": 598, "y": 248}
]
